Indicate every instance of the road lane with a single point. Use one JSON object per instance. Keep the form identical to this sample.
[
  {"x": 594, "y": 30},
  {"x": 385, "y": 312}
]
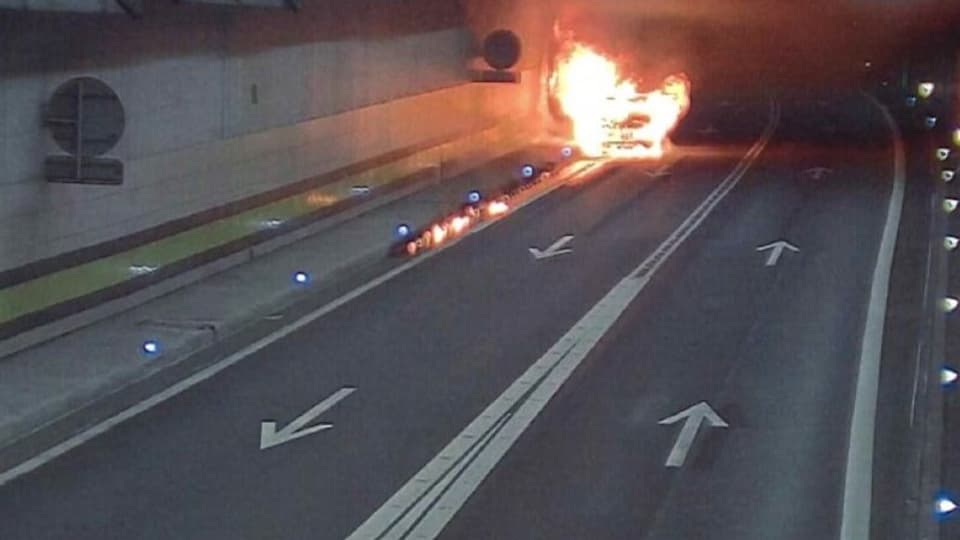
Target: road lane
[
  {"x": 425, "y": 352},
  {"x": 773, "y": 349}
]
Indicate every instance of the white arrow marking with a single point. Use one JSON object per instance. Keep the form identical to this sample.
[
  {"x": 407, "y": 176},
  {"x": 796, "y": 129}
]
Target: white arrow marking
[
  {"x": 555, "y": 249},
  {"x": 663, "y": 170},
  {"x": 817, "y": 172},
  {"x": 777, "y": 250},
  {"x": 270, "y": 437},
  {"x": 695, "y": 416}
]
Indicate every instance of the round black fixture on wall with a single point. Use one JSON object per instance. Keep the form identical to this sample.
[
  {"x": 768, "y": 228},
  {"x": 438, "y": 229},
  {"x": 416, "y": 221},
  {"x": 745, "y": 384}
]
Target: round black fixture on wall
[
  {"x": 501, "y": 49},
  {"x": 85, "y": 117}
]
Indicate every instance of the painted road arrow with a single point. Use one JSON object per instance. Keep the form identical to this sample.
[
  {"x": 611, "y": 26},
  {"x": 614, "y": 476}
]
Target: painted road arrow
[
  {"x": 694, "y": 416},
  {"x": 776, "y": 250},
  {"x": 270, "y": 437},
  {"x": 817, "y": 172},
  {"x": 663, "y": 170},
  {"x": 557, "y": 248}
]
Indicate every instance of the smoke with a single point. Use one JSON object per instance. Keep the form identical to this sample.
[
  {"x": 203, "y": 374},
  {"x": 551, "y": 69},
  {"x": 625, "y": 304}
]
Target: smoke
[{"x": 744, "y": 44}]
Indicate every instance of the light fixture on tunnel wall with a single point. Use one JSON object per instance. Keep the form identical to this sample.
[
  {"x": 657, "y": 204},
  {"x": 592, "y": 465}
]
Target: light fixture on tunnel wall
[
  {"x": 949, "y": 205},
  {"x": 947, "y": 175},
  {"x": 956, "y": 137},
  {"x": 943, "y": 153},
  {"x": 527, "y": 171},
  {"x": 949, "y": 304},
  {"x": 943, "y": 505},
  {"x": 911, "y": 101},
  {"x": 473, "y": 197},
  {"x": 948, "y": 376},
  {"x": 566, "y": 151},
  {"x": 930, "y": 121},
  {"x": 301, "y": 278},
  {"x": 86, "y": 120},
  {"x": 150, "y": 347},
  {"x": 951, "y": 243},
  {"x": 501, "y": 52},
  {"x": 925, "y": 89}
]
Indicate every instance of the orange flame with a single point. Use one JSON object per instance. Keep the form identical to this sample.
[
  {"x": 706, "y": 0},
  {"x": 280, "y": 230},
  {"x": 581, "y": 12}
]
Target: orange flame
[{"x": 610, "y": 116}]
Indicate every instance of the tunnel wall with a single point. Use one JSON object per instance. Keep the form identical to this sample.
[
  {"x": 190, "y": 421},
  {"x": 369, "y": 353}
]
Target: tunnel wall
[{"x": 222, "y": 104}]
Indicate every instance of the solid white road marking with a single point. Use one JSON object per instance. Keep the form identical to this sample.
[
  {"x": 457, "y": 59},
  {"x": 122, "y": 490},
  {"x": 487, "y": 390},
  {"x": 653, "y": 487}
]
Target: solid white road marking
[
  {"x": 423, "y": 506},
  {"x": 556, "y": 248},
  {"x": 79, "y": 439},
  {"x": 693, "y": 417},
  {"x": 270, "y": 437},
  {"x": 858, "y": 481},
  {"x": 776, "y": 250}
]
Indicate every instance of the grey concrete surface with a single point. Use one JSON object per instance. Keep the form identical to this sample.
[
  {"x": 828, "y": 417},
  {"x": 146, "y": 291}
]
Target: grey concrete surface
[
  {"x": 42, "y": 383},
  {"x": 773, "y": 349},
  {"x": 223, "y": 103}
]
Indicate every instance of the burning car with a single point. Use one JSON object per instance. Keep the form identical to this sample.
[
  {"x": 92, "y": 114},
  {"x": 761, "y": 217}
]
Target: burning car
[{"x": 610, "y": 116}]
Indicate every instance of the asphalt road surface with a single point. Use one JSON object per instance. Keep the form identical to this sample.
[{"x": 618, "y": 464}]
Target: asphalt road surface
[{"x": 770, "y": 340}]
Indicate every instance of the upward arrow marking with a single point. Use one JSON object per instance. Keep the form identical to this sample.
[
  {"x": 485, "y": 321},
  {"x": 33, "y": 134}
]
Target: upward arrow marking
[
  {"x": 777, "y": 250},
  {"x": 694, "y": 416}
]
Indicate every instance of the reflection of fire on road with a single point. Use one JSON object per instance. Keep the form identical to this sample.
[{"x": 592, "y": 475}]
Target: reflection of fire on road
[{"x": 610, "y": 116}]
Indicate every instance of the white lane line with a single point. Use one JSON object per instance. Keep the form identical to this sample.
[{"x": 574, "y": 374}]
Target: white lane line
[
  {"x": 423, "y": 506},
  {"x": 79, "y": 439},
  {"x": 858, "y": 481},
  {"x": 927, "y": 277}
]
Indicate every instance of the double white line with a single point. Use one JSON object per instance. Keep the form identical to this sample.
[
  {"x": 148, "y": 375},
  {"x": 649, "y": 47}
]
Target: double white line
[{"x": 428, "y": 501}]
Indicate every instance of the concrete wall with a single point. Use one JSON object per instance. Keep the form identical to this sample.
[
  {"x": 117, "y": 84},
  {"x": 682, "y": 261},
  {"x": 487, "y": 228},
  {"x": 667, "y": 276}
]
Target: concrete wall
[{"x": 334, "y": 85}]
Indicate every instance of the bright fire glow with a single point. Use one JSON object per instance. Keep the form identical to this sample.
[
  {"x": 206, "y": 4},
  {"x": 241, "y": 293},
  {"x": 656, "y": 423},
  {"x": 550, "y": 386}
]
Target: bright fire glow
[
  {"x": 610, "y": 116},
  {"x": 496, "y": 208},
  {"x": 459, "y": 223}
]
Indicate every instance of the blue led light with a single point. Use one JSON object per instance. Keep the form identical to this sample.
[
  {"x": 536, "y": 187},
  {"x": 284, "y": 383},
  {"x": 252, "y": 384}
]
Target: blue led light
[
  {"x": 943, "y": 506},
  {"x": 301, "y": 277},
  {"x": 403, "y": 230},
  {"x": 474, "y": 197},
  {"x": 566, "y": 151},
  {"x": 151, "y": 346},
  {"x": 948, "y": 376},
  {"x": 528, "y": 171},
  {"x": 911, "y": 101}
]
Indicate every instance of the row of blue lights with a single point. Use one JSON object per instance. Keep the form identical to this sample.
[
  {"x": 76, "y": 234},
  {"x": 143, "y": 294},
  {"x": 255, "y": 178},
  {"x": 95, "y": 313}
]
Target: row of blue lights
[
  {"x": 944, "y": 503},
  {"x": 151, "y": 347},
  {"x": 528, "y": 171}
]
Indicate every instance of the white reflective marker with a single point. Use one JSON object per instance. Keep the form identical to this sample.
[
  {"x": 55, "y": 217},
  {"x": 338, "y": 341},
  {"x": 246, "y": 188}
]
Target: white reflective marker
[
  {"x": 948, "y": 376},
  {"x": 925, "y": 89},
  {"x": 141, "y": 269},
  {"x": 271, "y": 223},
  {"x": 944, "y": 505},
  {"x": 947, "y": 175},
  {"x": 949, "y": 205},
  {"x": 951, "y": 242},
  {"x": 950, "y": 304},
  {"x": 943, "y": 153}
]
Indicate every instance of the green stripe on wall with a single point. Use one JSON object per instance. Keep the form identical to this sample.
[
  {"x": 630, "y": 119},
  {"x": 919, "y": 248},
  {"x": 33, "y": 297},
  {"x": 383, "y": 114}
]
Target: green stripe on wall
[{"x": 75, "y": 282}]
